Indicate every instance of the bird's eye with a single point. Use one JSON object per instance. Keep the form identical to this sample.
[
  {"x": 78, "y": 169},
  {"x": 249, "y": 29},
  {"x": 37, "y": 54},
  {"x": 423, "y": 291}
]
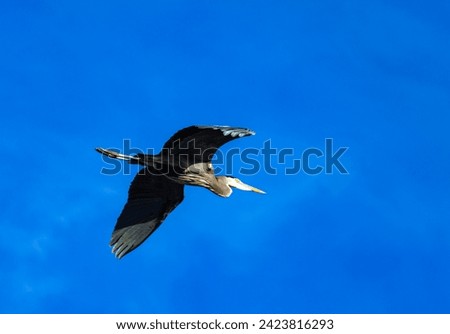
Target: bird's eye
[{"x": 209, "y": 167}]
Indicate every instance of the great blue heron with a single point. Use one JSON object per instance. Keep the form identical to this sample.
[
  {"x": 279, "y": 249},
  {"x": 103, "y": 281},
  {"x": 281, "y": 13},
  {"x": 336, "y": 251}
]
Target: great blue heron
[{"x": 158, "y": 188}]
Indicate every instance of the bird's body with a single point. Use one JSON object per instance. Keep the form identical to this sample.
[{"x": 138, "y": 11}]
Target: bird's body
[{"x": 159, "y": 187}]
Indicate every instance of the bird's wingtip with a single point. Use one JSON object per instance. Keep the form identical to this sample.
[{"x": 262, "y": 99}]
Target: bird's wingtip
[{"x": 227, "y": 130}]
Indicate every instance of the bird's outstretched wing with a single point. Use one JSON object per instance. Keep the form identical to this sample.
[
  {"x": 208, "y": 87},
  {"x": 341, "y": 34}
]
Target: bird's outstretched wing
[
  {"x": 150, "y": 199},
  {"x": 199, "y": 143}
]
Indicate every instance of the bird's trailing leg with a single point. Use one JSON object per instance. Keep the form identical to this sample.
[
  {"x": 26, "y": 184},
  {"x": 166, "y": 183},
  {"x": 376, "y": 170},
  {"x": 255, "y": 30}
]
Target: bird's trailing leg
[{"x": 133, "y": 159}]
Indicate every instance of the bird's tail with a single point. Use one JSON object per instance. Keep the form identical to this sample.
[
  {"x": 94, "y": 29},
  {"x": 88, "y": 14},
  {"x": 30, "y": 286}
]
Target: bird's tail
[{"x": 132, "y": 159}]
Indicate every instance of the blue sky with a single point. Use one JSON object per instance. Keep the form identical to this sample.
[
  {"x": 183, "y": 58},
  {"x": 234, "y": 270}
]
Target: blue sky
[{"x": 374, "y": 76}]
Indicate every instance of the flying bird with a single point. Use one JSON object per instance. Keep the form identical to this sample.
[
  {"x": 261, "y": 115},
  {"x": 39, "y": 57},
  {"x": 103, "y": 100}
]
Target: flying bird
[{"x": 158, "y": 188}]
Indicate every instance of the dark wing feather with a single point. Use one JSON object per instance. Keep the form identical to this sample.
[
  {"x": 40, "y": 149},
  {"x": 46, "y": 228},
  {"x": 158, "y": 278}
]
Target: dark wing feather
[
  {"x": 150, "y": 199},
  {"x": 199, "y": 143}
]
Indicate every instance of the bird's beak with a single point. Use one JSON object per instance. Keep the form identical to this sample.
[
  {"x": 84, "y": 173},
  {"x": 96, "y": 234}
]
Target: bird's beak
[
  {"x": 256, "y": 190},
  {"x": 247, "y": 187}
]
